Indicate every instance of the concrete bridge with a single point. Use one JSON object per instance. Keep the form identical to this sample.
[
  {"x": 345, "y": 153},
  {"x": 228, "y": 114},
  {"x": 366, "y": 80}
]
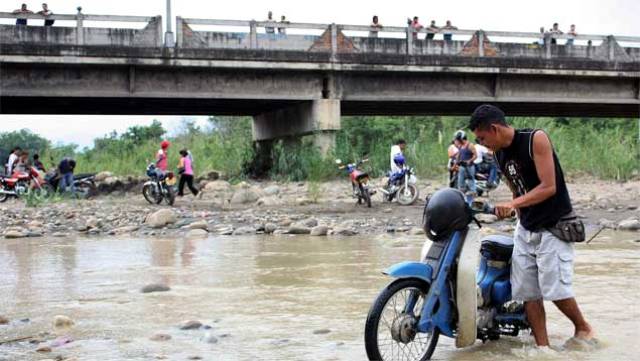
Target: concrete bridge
[{"x": 301, "y": 82}]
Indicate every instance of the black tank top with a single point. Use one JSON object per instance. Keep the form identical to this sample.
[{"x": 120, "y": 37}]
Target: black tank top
[{"x": 516, "y": 163}]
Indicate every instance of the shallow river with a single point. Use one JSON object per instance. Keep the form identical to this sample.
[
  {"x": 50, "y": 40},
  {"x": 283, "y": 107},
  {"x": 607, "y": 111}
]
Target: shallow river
[{"x": 266, "y": 298}]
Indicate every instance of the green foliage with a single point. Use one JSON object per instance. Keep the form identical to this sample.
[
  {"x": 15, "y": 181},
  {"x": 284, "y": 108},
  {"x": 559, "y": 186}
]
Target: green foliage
[
  {"x": 606, "y": 148},
  {"x": 24, "y": 139}
]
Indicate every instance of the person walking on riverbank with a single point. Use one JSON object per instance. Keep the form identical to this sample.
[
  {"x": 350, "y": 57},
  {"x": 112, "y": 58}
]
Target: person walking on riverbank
[
  {"x": 162, "y": 156},
  {"x": 185, "y": 169},
  {"x": 543, "y": 251}
]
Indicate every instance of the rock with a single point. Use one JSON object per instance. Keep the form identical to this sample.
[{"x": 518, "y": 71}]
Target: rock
[
  {"x": 194, "y": 358},
  {"x": 269, "y": 201},
  {"x": 60, "y": 234},
  {"x": 92, "y": 222},
  {"x": 62, "y": 322},
  {"x": 161, "y": 218},
  {"x": 486, "y": 218},
  {"x": 160, "y": 337},
  {"x": 3, "y": 320},
  {"x": 271, "y": 190},
  {"x": 155, "y": 287},
  {"x": 298, "y": 228},
  {"x": 301, "y": 201},
  {"x": 217, "y": 186},
  {"x": 607, "y": 223},
  {"x": 100, "y": 177},
  {"x": 388, "y": 210},
  {"x": 35, "y": 233},
  {"x": 14, "y": 233},
  {"x": 270, "y": 228},
  {"x": 209, "y": 338},
  {"x": 60, "y": 341},
  {"x": 35, "y": 224},
  {"x": 630, "y": 224},
  {"x": 241, "y": 231},
  {"x": 343, "y": 231},
  {"x": 244, "y": 196},
  {"x": 196, "y": 233},
  {"x": 201, "y": 224},
  {"x": 191, "y": 325},
  {"x": 415, "y": 231},
  {"x": 125, "y": 229},
  {"x": 322, "y": 331},
  {"x": 320, "y": 230},
  {"x": 310, "y": 222},
  {"x": 43, "y": 349}
]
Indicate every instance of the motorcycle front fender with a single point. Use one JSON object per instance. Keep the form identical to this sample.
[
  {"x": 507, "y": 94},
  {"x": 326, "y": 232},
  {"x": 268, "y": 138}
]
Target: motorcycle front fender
[{"x": 408, "y": 269}]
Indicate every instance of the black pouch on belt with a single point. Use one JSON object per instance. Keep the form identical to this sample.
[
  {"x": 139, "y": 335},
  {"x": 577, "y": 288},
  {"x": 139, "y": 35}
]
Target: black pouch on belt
[{"x": 569, "y": 229}]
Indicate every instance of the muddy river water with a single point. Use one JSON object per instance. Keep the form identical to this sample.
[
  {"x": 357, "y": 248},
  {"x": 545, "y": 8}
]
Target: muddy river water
[{"x": 266, "y": 298}]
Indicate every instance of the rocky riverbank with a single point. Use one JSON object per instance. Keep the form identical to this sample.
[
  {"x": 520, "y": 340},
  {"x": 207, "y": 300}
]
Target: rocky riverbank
[{"x": 247, "y": 208}]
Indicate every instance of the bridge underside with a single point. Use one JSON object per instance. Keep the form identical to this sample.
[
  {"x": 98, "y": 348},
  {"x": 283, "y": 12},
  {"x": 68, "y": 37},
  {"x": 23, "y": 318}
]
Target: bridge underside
[{"x": 253, "y": 107}]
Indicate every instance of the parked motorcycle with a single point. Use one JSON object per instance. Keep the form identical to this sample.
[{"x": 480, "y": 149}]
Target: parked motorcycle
[
  {"x": 359, "y": 181},
  {"x": 481, "y": 176},
  {"x": 21, "y": 183},
  {"x": 84, "y": 183},
  {"x": 401, "y": 185},
  {"x": 443, "y": 294},
  {"x": 159, "y": 186}
]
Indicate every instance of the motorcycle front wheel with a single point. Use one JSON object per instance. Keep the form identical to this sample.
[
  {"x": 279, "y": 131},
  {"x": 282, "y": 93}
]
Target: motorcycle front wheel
[
  {"x": 407, "y": 194},
  {"x": 150, "y": 195},
  {"x": 3, "y": 196},
  {"x": 390, "y": 332}
]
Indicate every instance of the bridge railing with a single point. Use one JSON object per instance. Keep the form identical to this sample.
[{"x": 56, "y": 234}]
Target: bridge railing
[
  {"x": 339, "y": 38},
  {"x": 81, "y": 34}
]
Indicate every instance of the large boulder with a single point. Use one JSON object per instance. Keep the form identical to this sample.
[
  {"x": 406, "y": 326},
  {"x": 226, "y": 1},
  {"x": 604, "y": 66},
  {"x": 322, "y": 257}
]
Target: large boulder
[
  {"x": 244, "y": 196},
  {"x": 14, "y": 232},
  {"x": 218, "y": 186},
  {"x": 161, "y": 218},
  {"x": 320, "y": 230},
  {"x": 271, "y": 190},
  {"x": 201, "y": 224},
  {"x": 100, "y": 177},
  {"x": 298, "y": 228},
  {"x": 197, "y": 233},
  {"x": 630, "y": 224},
  {"x": 246, "y": 230}
]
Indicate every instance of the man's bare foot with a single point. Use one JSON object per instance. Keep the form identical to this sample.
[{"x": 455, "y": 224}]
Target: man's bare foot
[{"x": 585, "y": 333}]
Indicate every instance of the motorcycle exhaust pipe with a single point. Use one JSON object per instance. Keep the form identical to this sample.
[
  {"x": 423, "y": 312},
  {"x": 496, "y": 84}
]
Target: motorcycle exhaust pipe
[
  {"x": 11, "y": 193},
  {"x": 386, "y": 192}
]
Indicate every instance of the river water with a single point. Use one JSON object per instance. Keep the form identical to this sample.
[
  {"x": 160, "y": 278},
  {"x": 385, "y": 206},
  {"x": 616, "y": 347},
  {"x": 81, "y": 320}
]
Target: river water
[{"x": 266, "y": 298}]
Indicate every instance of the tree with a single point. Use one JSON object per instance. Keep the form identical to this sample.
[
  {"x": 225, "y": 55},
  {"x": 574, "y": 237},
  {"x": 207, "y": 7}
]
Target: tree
[{"x": 24, "y": 139}]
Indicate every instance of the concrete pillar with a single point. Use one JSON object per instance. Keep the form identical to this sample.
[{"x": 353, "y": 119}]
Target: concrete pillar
[
  {"x": 253, "y": 35},
  {"x": 79, "y": 27},
  {"x": 320, "y": 117}
]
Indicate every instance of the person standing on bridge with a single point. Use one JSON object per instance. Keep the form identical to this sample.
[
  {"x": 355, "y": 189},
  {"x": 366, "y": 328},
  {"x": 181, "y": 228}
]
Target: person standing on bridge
[
  {"x": 46, "y": 12},
  {"x": 282, "y": 29},
  {"x": 448, "y": 36},
  {"x": 432, "y": 30},
  {"x": 555, "y": 30},
  {"x": 22, "y": 11},
  {"x": 375, "y": 27},
  {"x": 572, "y": 33},
  {"x": 269, "y": 29},
  {"x": 543, "y": 251},
  {"x": 416, "y": 27},
  {"x": 185, "y": 168}
]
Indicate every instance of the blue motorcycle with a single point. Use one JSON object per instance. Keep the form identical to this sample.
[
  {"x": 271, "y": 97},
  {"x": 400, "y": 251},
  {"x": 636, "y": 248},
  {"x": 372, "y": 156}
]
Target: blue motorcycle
[{"x": 447, "y": 293}]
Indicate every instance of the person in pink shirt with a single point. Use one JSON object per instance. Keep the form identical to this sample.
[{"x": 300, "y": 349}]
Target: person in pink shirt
[
  {"x": 185, "y": 168},
  {"x": 161, "y": 157}
]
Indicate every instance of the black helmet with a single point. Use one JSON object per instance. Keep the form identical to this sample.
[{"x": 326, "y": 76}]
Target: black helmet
[
  {"x": 446, "y": 211},
  {"x": 460, "y": 135}
]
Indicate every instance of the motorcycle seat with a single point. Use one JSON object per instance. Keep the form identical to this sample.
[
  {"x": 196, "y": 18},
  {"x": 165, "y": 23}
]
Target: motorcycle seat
[{"x": 497, "y": 247}]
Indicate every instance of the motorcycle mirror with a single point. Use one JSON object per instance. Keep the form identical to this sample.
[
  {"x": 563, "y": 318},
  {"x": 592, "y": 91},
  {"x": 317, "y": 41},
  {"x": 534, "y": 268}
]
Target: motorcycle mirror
[{"x": 338, "y": 161}]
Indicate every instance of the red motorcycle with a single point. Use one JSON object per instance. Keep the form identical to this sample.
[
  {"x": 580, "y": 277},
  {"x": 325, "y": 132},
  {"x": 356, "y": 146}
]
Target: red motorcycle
[
  {"x": 20, "y": 183},
  {"x": 359, "y": 181}
]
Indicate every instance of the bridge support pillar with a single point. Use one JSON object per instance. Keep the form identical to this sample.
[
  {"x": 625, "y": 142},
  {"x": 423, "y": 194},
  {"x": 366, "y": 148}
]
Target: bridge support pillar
[{"x": 320, "y": 118}]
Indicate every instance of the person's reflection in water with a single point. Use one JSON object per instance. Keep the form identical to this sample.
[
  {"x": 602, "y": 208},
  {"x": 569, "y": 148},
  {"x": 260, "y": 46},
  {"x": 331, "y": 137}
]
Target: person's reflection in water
[
  {"x": 162, "y": 255},
  {"x": 188, "y": 248}
]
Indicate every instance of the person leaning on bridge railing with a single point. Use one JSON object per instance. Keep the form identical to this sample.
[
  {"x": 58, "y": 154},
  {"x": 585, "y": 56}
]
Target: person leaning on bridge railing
[
  {"x": 555, "y": 31},
  {"x": 269, "y": 29},
  {"x": 23, "y": 10},
  {"x": 432, "y": 30},
  {"x": 281, "y": 29},
  {"x": 375, "y": 27},
  {"x": 572, "y": 33},
  {"x": 447, "y": 34},
  {"x": 46, "y": 12}
]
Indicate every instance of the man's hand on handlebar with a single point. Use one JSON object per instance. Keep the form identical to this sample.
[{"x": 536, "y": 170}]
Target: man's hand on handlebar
[{"x": 504, "y": 210}]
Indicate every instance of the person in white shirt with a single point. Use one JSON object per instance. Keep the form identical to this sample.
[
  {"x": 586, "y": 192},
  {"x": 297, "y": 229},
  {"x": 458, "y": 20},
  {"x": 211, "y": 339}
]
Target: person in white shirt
[
  {"x": 396, "y": 149},
  {"x": 481, "y": 150},
  {"x": 12, "y": 161}
]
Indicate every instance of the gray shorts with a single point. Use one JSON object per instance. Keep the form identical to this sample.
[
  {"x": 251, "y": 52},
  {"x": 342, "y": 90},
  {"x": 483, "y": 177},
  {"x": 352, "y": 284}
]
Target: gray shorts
[{"x": 541, "y": 266}]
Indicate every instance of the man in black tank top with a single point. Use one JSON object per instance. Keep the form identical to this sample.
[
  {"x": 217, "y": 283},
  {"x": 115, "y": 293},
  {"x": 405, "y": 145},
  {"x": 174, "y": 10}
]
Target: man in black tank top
[{"x": 542, "y": 264}]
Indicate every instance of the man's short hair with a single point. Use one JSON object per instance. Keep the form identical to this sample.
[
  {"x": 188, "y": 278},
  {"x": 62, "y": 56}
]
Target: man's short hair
[
  {"x": 401, "y": 141},
  {"x": 485, "y": 115}
]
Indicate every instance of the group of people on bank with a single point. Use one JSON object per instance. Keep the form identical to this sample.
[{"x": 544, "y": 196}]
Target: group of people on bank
[{"x": 185, "y": 167}]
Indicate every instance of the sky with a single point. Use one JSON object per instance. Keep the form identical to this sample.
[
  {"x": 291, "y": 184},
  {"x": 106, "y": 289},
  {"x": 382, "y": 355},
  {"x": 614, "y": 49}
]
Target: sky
[{"x": 618, "y": 17}]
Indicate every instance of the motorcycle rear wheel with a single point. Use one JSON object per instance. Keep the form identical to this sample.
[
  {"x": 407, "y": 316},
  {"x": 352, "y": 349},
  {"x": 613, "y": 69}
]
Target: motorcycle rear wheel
[
  {"x": 420, "y": 347},
  {"x": 366, "y": 196}
]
